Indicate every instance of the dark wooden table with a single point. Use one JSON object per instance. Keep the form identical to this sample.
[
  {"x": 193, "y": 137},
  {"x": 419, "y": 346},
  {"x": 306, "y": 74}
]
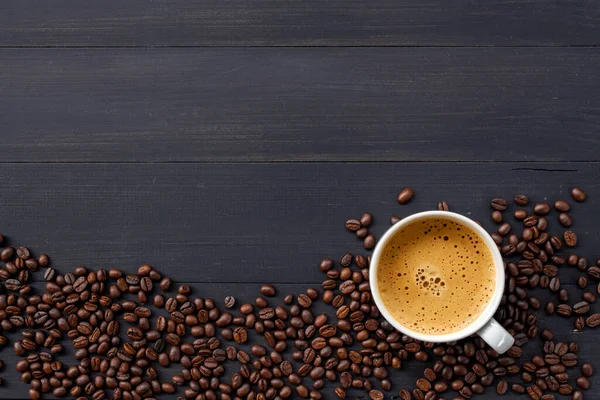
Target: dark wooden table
[{"x": 226, "y": 142}]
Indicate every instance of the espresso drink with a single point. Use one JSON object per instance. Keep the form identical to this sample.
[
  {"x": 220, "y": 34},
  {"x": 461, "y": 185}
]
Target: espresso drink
[{"x": 436, "y": 276}]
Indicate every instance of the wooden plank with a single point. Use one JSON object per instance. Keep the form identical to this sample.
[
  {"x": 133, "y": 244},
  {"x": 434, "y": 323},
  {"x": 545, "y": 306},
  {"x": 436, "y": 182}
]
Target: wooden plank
[
  {"x": 404, "y": 378},
  {"x": 215, "y": 225},
  {"x": 254, "y": 222},
  {"x": 300, "y": 104},
  {"x": 297, "y": 23}
]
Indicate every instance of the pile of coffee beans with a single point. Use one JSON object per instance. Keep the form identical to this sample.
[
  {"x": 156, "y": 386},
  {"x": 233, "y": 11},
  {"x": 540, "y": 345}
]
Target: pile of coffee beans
[{"x": 128, "y": 329}]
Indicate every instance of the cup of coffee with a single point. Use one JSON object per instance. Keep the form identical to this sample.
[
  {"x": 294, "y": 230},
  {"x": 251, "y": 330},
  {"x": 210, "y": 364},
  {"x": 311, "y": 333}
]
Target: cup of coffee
[{"x": 437, "y": 276}]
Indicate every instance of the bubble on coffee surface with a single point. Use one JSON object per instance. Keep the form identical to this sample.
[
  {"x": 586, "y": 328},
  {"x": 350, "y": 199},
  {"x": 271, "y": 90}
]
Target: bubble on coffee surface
[{"x": 436, "y": 276}]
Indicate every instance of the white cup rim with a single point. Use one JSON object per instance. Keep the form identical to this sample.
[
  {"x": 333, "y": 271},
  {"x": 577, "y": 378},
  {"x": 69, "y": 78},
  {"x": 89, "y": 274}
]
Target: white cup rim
[{"x": 483, "y": 318}]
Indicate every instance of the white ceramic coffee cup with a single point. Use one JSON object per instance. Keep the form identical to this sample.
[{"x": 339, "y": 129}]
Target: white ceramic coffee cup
[{"x": 484, "y": 325}]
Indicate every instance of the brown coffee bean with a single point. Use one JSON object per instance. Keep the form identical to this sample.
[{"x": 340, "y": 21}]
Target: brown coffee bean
[
  {"x": 564, "y": 310},
  {"x": 579, "y": 323},
  {"x": 423, "y": 384},
  {"x": 353, "y": 225},
  {"x": 593, "y": 320},
  {"x": 520, "y": 214},
  {"x": 518, "y": 388},
  {"x": 443, "y": 206},
  {"x": 570, "y": 238},
  {"x": 583, "y": 383},
  {"x": 405, "y": 195},
  {"x": 267, "y": 290},
  {"x": 498, "y": 204},
  {"x": 534, "y": 392},
  {"x": 565, "y": 220},
  {"x": 326, "y": 264},
  {"x": 366, "y": 219},
  {"x": 541, "y": 208},
  {"x": 497, "y": 216},
  {"x": 562, "y": 205},
  {"x": 578, "y": 194},
  {"x": 504, "y": 229},
  {"x": 362, "y": 233},
  {"x": 569, "y": 359},
  {"x": 369, "y": 242},
  {"x": 502, "y": 387},
  {"x": 589, "y": 296},
  {"x": 581, "y": 308},
  {"x": 587, "y": 369},
  {"x": 376, "y": 395},
  {"x": 229, "y": 301},
  {"x": 594, "y": 273}
]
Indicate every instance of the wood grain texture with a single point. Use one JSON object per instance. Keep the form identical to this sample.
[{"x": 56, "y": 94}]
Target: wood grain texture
[
  {"x": 298, "y": 23},
  {"x": 300, "y": 104},
  {"x": 253, "y": 222}
]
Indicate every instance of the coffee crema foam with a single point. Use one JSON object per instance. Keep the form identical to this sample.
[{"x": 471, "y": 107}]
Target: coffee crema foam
[{"x": 436, "y": 276}]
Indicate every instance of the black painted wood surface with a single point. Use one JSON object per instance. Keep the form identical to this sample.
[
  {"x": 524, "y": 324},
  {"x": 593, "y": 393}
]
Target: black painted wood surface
[
  {"x": 298, "y": 23},
  {"x": 226, "y": 142},
  {"x": 301, "y": 104}
]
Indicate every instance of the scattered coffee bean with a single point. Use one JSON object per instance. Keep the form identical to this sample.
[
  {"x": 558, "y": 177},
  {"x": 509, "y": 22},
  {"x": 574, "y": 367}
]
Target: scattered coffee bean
[
  {"x": 578, "y": 194},
  {"x": 353, "y": 225},
  {"x": 565, "y": 220},
  {"x": 498, "y": 204},
  {"x": 587, "y": 369},
  {"x": 521, "y": 199},
  {"x": 267, "y": 290},
  {"x": 366, "y": 220},
  {"x": 229, "y": 301},
  {"x": 570, "y": 238},
  {"x": 369, "y": 242},
  {"x": 405, "y": 195},
  {"x": 541, "y": 208}
]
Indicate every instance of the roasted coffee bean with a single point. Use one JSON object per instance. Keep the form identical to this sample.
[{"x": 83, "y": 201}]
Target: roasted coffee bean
[
  {"x": 504, "y": 229},
  {"x": 267, "y": 290},
  {"x": 579, "y": 323},
  {"x": 521, "y": 199},
  {"x": 366, "y": 219},
  {"x": 587, "y": 369},
  {"x": 565, "y": 220},
  {"x": 326, "y": 264},
  {"x": 581, "y": 308},
  {"x": 353, "y": 225},
  {"x": 593, "y": 320},
  {"x": 405, "y": 195},
  {"x": 578, "y": 194},
  {"x": 229, "y": 301},
  {"x": 583, "y": 383},
  {"x": 502, "y": 387},
  {"x": 497, "y": 216},
  {"x": 369, "y": 242},
  {"x": 541, "y": 208},
  {"x": 570, "y": 238},
  {"x": 518, "y": 388},
  {"x": 564, "y": 309},
  {"x": 362, "y": 233},
  {"x": 498, "y": 204},
  {"x": 589, "y": 297},
  {"x": 594, "y": 273}
]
